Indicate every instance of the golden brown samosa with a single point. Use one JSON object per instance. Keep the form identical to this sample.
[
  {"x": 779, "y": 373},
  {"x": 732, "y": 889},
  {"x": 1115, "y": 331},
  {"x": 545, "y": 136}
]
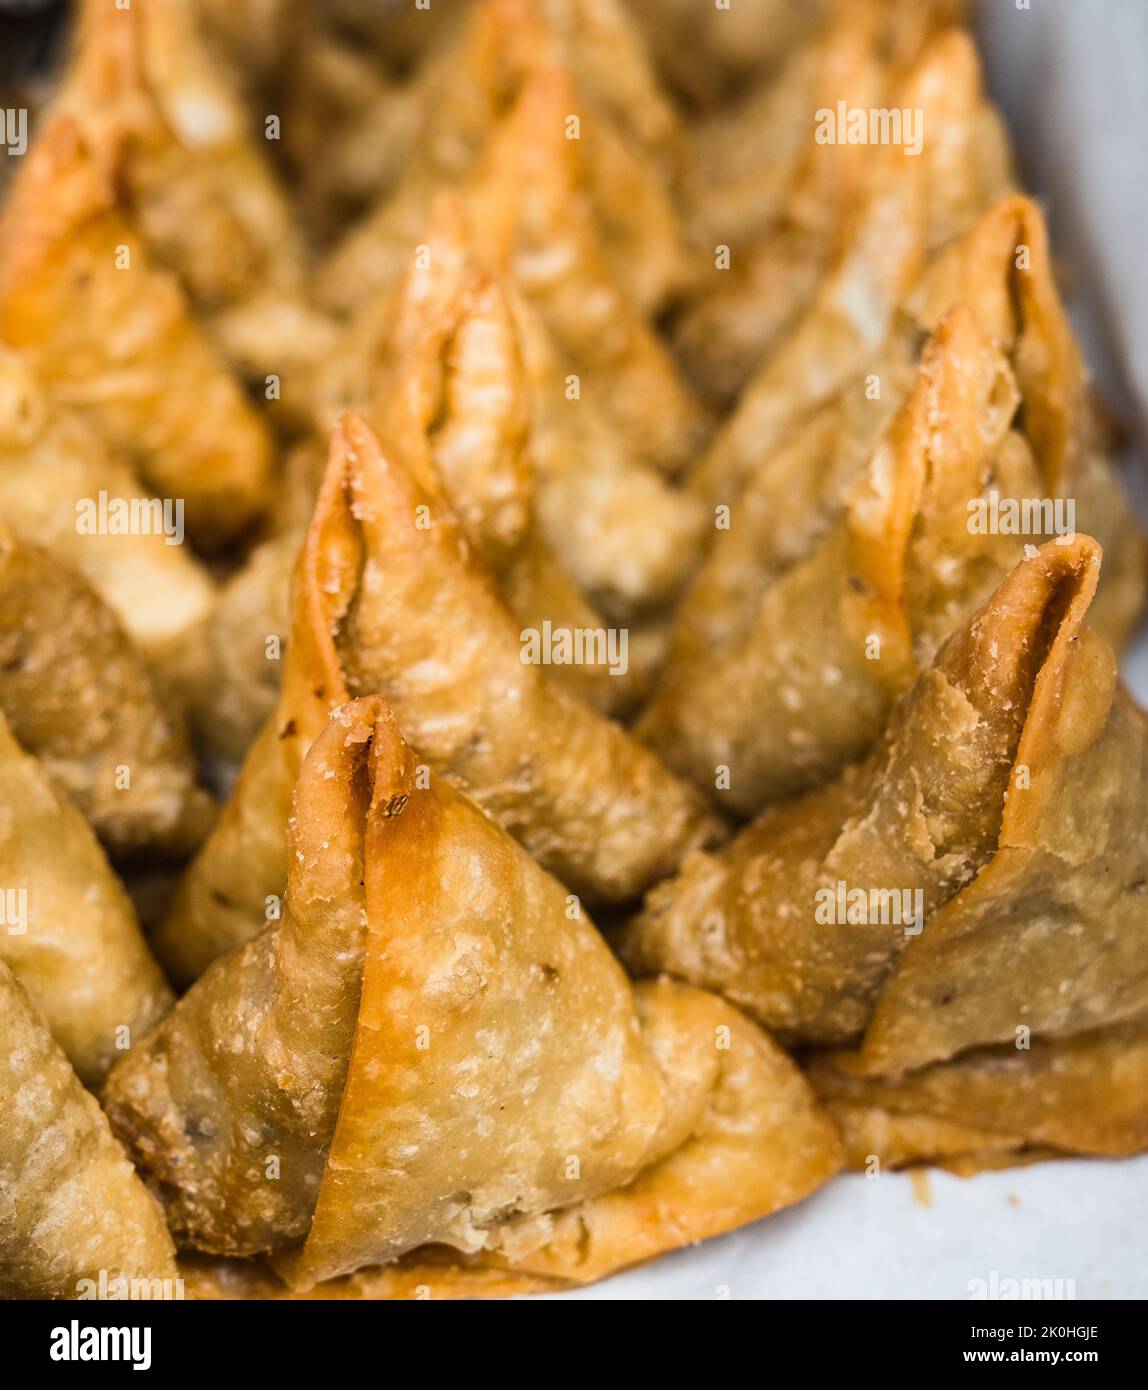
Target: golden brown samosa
[
  {"x": 111, "y": 335},
  {"x": 389, "y": 597},
  {"x": 623, "y": 129},
  {"x": 595, "y": 1126},
  {"x": 56, "y": 470},
  {"x": 625, "y": 535},
  {"x": 76, "y": 946},
  {"x": 458, "y": 415},
  {"x": 982, "y": 870},
  {"x": 82, "y": 699},
  {"x": 953, "y": 162},
  {"x": 766, "y": 202},
  {"x": 529, "y": 214},
  {"x": 197, "y": 184},
  {"x": 72, "y": 1211},
  {"x": 441, "y": 369},
  {"x": 803, "y": 429},
  {"x": 803, "y": 683}
]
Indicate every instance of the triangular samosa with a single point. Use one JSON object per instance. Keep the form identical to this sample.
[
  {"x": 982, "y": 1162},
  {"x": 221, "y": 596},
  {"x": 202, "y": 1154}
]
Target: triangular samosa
[
  {"x": 73, "y": 1214},
  {"x": 435, "y": 1047},
  {"x": 952, "y": 154},
  {"x": 804, "y": 683},
  {"x": 997, "y": 830},
  {"x": 111, "y": 335},
  {"x": 390, "y": 598},
  {"x": 783, "y": 461},
  {"x": 56, "y": 474},
  {"x": 622, "y": 127},
  {"x": 69, "y": 931},
  {"x": 82, "y": 699}
]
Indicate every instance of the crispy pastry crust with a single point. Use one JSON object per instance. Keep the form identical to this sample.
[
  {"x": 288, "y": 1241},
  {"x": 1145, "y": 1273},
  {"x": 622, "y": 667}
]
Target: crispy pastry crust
[{"x": 426, "y": 959}]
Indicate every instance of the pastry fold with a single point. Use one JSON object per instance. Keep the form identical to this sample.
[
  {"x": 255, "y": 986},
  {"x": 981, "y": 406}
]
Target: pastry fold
[
  {"x": 71, "y": 1207},
  {"x": 804, "y": 682},
  {"x": 111, "y": 335},
  {"x": 82, "y": 699},
  {"x": 389, "y": 598},
  {"x": 434, "y": 1047},
  {"x": 626, "y": 131},
  {"x": 876, "y": 1140},
  {"x": 75, "y": 945},
  {"x": 979, "y": 872},
  {"x": 54, "y": 464},
  {"x": 625, "y": 535},
  {"x": 529, "y": 213},
  {"x": 837, "y": 357},
  {"x": 791, "y": 219},
  {"x": 205, "y": 198},
  {"x": 1084, "y": 1094}
]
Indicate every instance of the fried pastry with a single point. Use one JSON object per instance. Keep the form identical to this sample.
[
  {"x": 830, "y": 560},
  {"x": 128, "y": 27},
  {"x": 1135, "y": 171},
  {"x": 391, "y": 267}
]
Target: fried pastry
[
  {"x": 625, "y": 535},
  {"x": 877, "y": 1140},
  {"x": 1083, "y": 1094},
  {"x": 196, "y": 182},
  {"x": 111, "y": 335},
  {"x": 81, "y": 698},
  {"x": 55, "y": 471},
  {"x": 527, "y": 214},
  {"x": 72, "y": 1210},
  {"x": 623, "y": 126},
  {"x": 389, "y": 597},
  {"x": 448, "y": 383},
  {"x": 981, "y": 870},
  {"x": 602, "y": 1125},
  {"x": 458, "y": 416},
  {"x": 804, "y": 682},
  {"x": 73, "y": 942},
  {"x": 956, "y": 162},
  {"x": 858, "y": 371}
]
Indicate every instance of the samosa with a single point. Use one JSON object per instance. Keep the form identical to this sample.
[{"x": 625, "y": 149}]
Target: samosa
[
  {"x": 80, "y": 697},
  {"x": 983, "y": 870},
  {"x": 435, "y": 1047},
  {"x": 804, "y": 682},
  {"x": 73, "y": 940},
  {"x": 112, "y": 336},
  {"x": 390, "y": 598},
  {"x": 72, "y": 1210}
]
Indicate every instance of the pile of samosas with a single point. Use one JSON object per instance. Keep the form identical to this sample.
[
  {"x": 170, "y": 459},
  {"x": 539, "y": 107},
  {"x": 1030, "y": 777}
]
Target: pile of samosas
[{"x": 578, "y": 462}]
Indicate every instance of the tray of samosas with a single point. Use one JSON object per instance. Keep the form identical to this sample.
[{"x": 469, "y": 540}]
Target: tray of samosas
[{"x": 562, "y": 579}]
